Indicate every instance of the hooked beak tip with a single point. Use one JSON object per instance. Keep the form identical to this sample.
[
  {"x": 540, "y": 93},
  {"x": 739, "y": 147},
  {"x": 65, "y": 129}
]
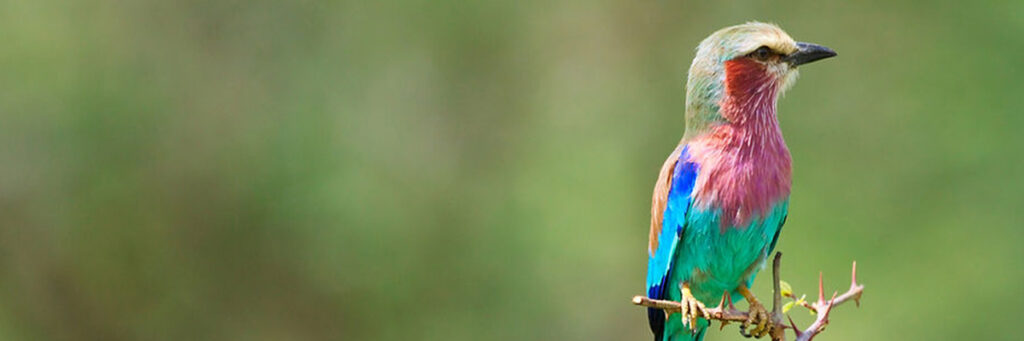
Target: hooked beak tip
[{"x": 807, "y": 52}]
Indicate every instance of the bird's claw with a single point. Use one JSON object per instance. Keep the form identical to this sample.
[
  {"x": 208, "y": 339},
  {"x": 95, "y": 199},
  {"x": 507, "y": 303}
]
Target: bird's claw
[
  {"x": 692, "y": 308},
  {"x": 760, "y": 318}
]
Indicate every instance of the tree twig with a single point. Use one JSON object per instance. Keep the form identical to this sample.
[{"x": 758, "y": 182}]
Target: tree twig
[
  {"x": 777, "y": 332},
  {"x": 726, "y": 312}
]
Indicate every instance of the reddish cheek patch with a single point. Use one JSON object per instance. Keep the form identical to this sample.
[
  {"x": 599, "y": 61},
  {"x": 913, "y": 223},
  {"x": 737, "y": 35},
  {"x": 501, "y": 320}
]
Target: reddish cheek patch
[{"x": 743, "y": 76}]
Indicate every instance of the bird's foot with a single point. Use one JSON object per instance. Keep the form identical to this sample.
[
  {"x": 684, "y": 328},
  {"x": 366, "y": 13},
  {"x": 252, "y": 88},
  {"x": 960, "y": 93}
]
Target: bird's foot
[
  {"x": 757, "y": 316},
  {"x": 691, "y": 308}
]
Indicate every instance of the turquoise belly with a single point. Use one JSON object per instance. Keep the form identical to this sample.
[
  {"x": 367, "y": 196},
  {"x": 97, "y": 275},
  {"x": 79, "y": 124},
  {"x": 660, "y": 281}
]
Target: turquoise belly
[{"x": 714, "y": 262}]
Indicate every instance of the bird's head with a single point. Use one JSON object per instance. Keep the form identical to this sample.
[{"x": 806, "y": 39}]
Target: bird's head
[{"x": 750, "y": 64}]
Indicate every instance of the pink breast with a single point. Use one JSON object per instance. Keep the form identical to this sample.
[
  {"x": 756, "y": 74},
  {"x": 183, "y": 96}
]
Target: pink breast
[{"x": 741, "y": 182}]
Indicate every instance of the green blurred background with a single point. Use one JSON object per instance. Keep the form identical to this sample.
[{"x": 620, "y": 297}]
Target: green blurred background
[{"x": 460, "y": 170}]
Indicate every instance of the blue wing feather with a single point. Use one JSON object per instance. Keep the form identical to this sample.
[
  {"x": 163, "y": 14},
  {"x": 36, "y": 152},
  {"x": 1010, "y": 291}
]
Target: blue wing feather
[{"x": 659, "y": 265}]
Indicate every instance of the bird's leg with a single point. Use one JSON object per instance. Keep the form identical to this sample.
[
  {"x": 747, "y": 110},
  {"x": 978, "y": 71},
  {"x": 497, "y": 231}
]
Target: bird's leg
[
  {"x": 692, "y": 308},
  {"x": 758, "y": 315}
]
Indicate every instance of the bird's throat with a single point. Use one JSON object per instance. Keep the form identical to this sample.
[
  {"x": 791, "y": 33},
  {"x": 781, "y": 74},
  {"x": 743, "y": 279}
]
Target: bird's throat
[
  {"x": 751, "y": 127},
  {"x": 751, "y": 92}
]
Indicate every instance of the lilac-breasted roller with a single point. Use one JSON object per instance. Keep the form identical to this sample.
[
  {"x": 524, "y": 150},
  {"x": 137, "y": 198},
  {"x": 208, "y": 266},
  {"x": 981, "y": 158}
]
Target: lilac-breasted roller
[{"x": 722, "y": 196}]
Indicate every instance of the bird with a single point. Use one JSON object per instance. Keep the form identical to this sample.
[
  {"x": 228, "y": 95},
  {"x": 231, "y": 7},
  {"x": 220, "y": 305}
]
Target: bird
[{"x": 722, "y": 195}]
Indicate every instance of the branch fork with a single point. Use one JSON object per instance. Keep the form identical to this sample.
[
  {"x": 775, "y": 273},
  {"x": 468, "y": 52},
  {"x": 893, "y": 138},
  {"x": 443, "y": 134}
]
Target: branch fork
[{"x": 726, "y": 312}]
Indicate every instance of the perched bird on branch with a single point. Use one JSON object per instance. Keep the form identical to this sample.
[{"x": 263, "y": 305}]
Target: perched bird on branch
[{"x": 722, "y": 196}]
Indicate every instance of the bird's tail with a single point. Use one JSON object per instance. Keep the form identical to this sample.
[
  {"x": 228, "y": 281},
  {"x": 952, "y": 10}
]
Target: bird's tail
[
  {"x": 688, "y": 336},
  {"x": 675, "y": 331}
]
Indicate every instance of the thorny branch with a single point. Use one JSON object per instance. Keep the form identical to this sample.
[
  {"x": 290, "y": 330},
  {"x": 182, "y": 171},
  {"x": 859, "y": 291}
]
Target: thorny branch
[{"x": 726, "y": 312}]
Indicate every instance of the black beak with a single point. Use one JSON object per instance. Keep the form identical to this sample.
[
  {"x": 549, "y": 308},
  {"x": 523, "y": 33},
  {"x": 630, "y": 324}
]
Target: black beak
[{"x": 807, "y": 52}]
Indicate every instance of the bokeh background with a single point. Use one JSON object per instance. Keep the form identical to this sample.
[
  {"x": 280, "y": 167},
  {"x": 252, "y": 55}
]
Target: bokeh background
[{"x": 479, "y": 170}]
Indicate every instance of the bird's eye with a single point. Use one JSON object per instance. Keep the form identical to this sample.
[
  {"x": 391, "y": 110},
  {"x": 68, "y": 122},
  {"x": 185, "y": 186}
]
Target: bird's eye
[{"x": 762, "y": 53}]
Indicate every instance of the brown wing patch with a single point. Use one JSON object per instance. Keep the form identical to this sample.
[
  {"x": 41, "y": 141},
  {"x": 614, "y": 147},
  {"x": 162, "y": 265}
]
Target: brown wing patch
[{"x": 660, "y": 197}]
